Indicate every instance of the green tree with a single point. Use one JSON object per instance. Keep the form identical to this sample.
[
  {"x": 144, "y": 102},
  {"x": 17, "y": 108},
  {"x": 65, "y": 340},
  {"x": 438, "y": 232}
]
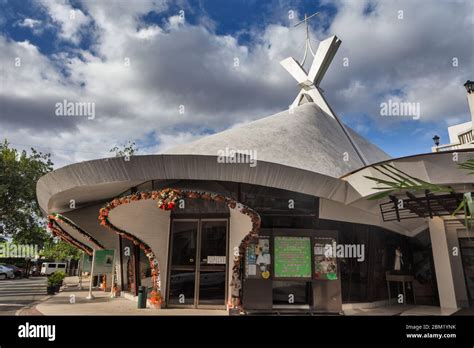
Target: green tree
[
  {"x": 20, "y": 214},
  {"x": 125, "y": 150},
  {"x": 60, "y": 251}
]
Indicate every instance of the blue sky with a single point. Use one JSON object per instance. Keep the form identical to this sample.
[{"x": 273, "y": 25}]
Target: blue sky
[{"x": 175, "y": 62}]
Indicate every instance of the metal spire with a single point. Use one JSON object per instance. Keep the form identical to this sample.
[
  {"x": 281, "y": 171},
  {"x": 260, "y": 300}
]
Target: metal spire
[{"x": 307, "y": 40}]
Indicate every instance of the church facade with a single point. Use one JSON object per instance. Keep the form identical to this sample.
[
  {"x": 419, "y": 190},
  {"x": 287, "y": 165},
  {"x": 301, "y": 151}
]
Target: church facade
[{"x": 275, "y": 215}]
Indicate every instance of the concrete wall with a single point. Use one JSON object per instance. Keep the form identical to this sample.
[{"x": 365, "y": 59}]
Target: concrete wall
[
  {"x": 456, "y": 266},
  {"x": 76, "y": 235},
  {"x": 453, "y": 131},
  {"x": 144, "y": 220},
  {"x": 87, "y": 219},
  {"x": 442, "y": 262},
  {"x": 363, "y": 212}
]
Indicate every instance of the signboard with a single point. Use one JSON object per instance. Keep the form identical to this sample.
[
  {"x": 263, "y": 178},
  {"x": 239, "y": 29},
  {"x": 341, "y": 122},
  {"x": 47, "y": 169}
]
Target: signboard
[
  {"x": 216, "y": 260},
  {"x": 325, "y": 264},
  {"x": 103, "y": 261},
  {"x": 292, "y": 257},
  {"x": 257, "y": 258}
]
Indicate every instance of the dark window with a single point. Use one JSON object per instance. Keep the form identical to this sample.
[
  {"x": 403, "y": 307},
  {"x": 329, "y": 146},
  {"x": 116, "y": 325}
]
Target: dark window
[
  {"x": 184, "y": 243},
  {"x": 270, "y": 201},
  {"x": 182, "y": 287},
  {"x": 213, "y": 239}
]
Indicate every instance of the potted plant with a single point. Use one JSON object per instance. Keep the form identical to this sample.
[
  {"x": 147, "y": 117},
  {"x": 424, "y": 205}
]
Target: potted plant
[
  {"x": 155, "y": 299},
  {"x": 55, "y": 281},
  {"x": 50, "y": 289}
]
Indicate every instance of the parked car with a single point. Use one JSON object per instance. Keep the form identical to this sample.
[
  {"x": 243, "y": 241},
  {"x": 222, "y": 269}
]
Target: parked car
[
  {"x": 17, "y": 271},
  {"x": 35, "y": 271},
  {"x": 48, "y": 268},
  {"x": 6, "y": 273}
]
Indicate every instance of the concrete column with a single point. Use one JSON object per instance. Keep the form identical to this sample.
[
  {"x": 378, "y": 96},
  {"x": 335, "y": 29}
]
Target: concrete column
[
  {"x": 462, "y": 298},
  {"x": 444, "y": 274}
]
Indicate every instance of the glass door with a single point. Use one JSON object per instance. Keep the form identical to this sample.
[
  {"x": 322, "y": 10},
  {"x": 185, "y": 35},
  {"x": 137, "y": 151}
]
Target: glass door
[
  {"x": 198, "y": 271},
  {"x": 182, "y": 282},
  {"x": 212, "y": 266}
]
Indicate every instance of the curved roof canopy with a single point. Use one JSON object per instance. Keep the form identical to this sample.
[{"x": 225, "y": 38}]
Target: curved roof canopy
[
  {"x": 304, "y": 137},
  {"x": 304, "y": 150}
]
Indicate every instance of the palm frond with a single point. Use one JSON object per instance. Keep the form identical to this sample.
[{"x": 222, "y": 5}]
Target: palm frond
[{"x": 399, "y": 180}]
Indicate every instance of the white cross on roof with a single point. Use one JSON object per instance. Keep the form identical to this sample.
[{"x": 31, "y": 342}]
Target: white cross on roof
[{"x": 309, "y": 81}]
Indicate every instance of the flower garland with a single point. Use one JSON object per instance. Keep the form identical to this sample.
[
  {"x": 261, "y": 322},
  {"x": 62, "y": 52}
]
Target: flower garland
[
  {"x": 61, "y": 218},
  {"x": 57, "y": 231},
  {"x": 167, "y": 200},
  {"x": 104, "y": 221}
]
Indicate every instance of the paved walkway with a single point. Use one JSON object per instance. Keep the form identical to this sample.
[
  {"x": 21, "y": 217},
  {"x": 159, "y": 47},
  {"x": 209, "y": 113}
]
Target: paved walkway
[
  {"x": 16, "y": 294},
  {"x": 403, "y": 310},
  {"x": 72, "y": 301},
  {"x": 102, "y": 304}
]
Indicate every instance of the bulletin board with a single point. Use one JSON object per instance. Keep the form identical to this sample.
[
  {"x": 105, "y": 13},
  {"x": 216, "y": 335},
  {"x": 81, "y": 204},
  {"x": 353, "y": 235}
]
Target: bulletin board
[
  {"x": 258, "y": 259},
  {"x": 292, "y": 257}
]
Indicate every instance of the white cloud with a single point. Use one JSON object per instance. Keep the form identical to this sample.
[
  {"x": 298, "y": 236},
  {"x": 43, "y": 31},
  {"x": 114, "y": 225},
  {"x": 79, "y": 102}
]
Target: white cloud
[
  {"x": 71, "y": 20},
  {"x": 30, "y": 23},
  {"x": 411, "y": 57},
  {"x": 181, "y": 64}
]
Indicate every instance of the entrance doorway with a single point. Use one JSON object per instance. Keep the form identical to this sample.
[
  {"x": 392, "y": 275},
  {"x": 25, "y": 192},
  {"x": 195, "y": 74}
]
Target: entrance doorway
[{"x": 198, "y": 259}]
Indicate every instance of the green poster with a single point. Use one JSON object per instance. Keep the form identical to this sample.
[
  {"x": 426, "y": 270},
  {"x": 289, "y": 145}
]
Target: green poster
[
  {"x": 103, "y": 261},
  {"x": 293, "y": 257}
]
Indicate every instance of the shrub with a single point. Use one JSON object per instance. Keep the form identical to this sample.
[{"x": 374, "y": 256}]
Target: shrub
[{"x": 56, "y": 279}]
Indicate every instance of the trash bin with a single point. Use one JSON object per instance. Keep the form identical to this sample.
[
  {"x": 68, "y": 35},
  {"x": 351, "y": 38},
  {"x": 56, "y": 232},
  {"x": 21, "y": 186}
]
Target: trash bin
[{"x": 142, "y": 294}]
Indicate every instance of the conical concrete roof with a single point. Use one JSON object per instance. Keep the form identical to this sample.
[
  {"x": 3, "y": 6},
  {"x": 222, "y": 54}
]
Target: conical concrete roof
[{"x": 307, "y": 138}]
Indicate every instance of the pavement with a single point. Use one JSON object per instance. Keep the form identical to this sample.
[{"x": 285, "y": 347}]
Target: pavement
[
  {"x": 72, "y": 301},
  {"x": 28, "y": 297},
  {"x": 402, "y": 310},
  {"x": 19, "y": 294}
]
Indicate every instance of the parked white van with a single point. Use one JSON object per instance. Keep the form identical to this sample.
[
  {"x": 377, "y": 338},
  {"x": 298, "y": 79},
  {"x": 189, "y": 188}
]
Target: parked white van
[{"x": 48, "y": 268}]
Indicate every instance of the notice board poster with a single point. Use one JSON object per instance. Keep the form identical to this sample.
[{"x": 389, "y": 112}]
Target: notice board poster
[
  {"x": 258, "y": 258},
  {"x": 103, "y": 261},
  {"x": 325, "y": 264},
  {"x": 292, "y": 257}
]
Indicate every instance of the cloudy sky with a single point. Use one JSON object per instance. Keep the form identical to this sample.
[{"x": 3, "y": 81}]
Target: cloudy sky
[{"x": 162, "y": 73}]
